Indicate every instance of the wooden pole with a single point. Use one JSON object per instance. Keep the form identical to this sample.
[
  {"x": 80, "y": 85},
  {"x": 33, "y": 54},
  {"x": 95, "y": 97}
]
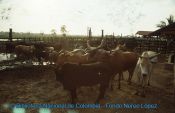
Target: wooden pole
[
  {"x": 90, "y": 33},
  {"x": 10, "y": 34},
  {"x": 102, "y": 33}
]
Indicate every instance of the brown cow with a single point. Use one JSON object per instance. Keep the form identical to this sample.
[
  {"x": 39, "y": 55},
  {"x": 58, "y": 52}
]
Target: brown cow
[
  {"x": 72, "y": 58},
  {"x": 118, "y": 61},
  {"x": 73, "y": 76},
  {"x": 24, "y": 51}
]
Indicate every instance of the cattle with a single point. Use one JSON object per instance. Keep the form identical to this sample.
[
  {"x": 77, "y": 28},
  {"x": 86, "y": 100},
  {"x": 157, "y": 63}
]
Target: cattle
[
  {"x": 75, "y": 56},
  {"x": 43, "y": 51},
  {"x": 118, "y": 61},
  {"x": 121, "y": 47},
  {"x": 89, "y": 47},
  {"x": 78, "y": 52},
  {"x": 53, "y": 56},
  {"x": 25, "y": 51},
  {"x": 73, "y": 76},
  {"x": 57, "y": 46},
  {"x": 143, "y": 68},
  {"x": 72, "y": 58},
  {"x": 49, "y": 49}
]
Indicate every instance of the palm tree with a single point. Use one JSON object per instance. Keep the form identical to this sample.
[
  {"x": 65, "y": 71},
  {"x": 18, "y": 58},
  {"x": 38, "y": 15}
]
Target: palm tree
[
  {"x": 162, "y": 24},
  {"x": 170, "y": 20}
]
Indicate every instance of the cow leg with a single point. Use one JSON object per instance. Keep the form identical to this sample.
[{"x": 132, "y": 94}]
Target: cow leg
[
  {"x": 130, "y": 75},
  {"x": 102, "y": 92},
  {"x": 120, "y": 74},
  {"x": 149, "y": 76},
  {"x": 73, "y": 95},
  {"x": 110, "y": 83},
  {"x": 143, "y": 85}
]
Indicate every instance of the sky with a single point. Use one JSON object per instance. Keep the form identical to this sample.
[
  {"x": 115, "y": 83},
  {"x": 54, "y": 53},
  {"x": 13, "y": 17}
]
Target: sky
[{"x": 119, "y": 16}]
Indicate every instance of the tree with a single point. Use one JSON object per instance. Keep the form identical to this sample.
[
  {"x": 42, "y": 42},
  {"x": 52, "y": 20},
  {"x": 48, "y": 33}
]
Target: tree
[
  {"x": 63, "y": 30},
  {"x": 53, "y": 32},
  {"x": 170, "y": 20}
]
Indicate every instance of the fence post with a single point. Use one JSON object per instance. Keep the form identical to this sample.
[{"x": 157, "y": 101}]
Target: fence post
[
  {"x": 174, "y": 79},
  {"x": 102, "y": 33},
  {"x": 90, "y": 33},
  {"x": 10, "y": 35}
]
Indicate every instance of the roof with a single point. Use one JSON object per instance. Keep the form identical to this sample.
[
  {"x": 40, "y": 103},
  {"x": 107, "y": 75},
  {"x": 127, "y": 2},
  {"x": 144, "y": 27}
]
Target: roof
[
  {"x": 144, "y": 33},
  {"x": 167, "y": 31}
]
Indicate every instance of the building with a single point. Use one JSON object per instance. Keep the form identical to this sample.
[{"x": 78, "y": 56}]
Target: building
[{"x": 143, "y": 33}]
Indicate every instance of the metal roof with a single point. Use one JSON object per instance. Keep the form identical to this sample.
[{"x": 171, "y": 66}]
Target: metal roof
[{"x": 144, "y": 33}]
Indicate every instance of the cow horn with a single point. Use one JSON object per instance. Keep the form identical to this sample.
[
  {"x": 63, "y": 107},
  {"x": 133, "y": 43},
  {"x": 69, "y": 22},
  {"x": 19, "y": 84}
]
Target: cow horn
[
  {"x": 88, "y": 45},
  {"x": 101, "y": 44},
  {"x": 124, "y": 45},
  {"x": 60, "y": 51}
]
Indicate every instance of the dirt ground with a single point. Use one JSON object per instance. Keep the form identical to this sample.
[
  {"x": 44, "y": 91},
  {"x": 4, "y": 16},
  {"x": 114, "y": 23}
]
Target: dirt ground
[{"x": 37, "y": 84}]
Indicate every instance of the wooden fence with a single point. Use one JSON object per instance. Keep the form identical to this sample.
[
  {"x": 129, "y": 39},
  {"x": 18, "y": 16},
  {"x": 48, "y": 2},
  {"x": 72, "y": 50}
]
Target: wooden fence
[{"x": 140, "y": 44}]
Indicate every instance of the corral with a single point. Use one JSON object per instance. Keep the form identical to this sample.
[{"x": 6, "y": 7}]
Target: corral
[{"x": 27, "y": 83}]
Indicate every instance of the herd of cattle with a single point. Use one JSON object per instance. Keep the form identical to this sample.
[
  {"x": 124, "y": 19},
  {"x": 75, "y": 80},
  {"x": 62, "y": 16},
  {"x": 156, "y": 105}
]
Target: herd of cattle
[{"x": 94, "y": 65}]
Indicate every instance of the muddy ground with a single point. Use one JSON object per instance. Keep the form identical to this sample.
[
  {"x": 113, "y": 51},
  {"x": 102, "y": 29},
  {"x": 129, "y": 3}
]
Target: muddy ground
[{"x": 37, "y": 84}]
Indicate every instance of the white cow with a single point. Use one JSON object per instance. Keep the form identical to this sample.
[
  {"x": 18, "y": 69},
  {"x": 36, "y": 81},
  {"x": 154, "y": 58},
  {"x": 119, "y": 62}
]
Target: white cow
[{"x": 144, "y": 68}]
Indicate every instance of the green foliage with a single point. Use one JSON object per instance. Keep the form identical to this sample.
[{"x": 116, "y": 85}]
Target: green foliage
[
  {"x": 162, "y": 24},
  {"x": 53, "y": 32},
  {"x": 170, "y": 20},
  {"x": 63, "y": 30}
]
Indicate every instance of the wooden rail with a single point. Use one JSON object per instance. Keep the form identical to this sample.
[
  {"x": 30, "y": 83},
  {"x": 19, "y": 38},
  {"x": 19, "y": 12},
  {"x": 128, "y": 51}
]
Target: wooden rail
[{"x": 140, "y": 44}]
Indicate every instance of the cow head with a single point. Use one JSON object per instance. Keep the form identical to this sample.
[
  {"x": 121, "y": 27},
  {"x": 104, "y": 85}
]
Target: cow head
[
  {"x": 145, "y": 62},
  {"x": 101, "y": 55}
]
